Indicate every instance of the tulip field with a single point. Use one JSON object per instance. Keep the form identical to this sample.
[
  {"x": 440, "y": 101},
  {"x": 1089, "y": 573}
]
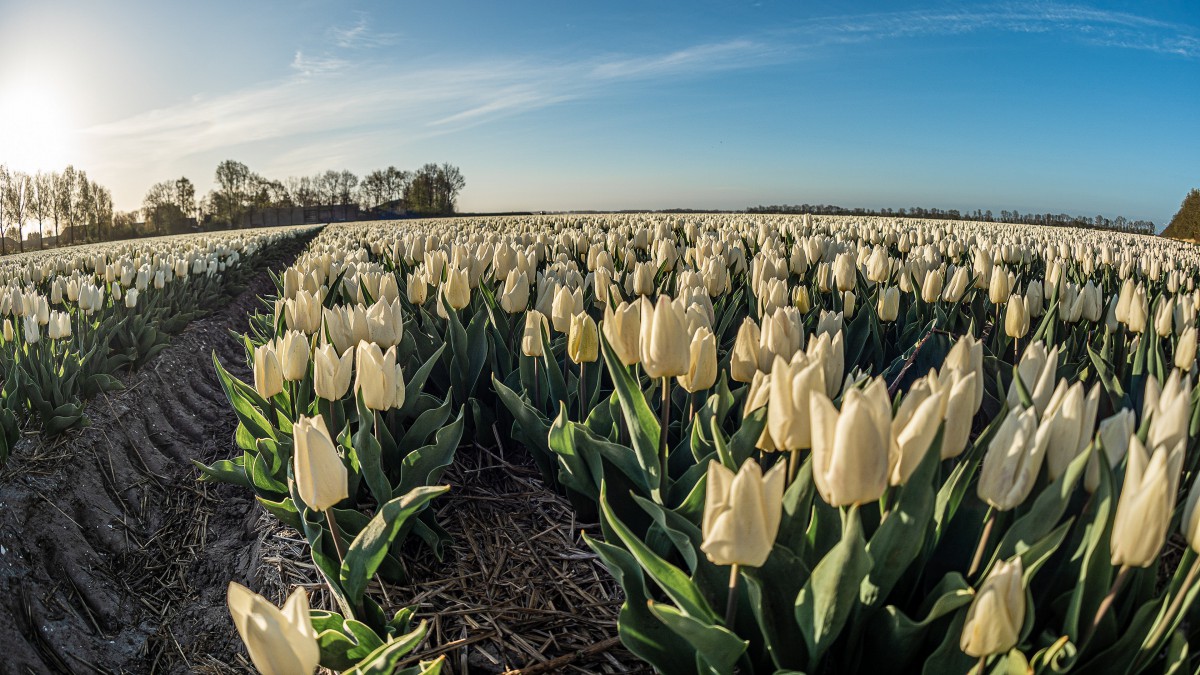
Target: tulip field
[
  {"x": 72, "y": 321},
  {"x": 790, "y": 444}
]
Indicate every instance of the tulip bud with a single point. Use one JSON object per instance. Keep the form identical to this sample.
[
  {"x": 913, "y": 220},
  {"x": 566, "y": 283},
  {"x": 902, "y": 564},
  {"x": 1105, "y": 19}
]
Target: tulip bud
[
  {"x": 268, "y": 376},
  {"x": 878, "y": 265},
  {"x": 1185, "y": 350},
  {"x": 1034, "y": 299},
  {"x": 830, "y": 352},
  {"x": 845, "y": 272},
  {"x": 997, "y": 613},
  {"x": 800, "y": 299},
  {"x": 562, "y": 309},
  {"x": 1146, "y": 503},
  {"x": 931, "y": 288},
  {"x": 915, "y": 426},
  {"x": 280, "y": 642},
  {"x": 457, "y": 289},
  {"x": 999, "y": 288},
  {"x": 1038, "y": 372},
  {"x": 319, "y": 472},
  {"x": 1190, "y": 524},
  {"x": 293, "y": 352},
  {"x": 1071, "y": 419},
  {"x": 418, "y": 289},
  {"x": 1016, "y": 317},
  {"x": 8, "y": 330},
  {"x": 743, "y": 359},
  {"x": 131, "y": 298},
  {"x": 1138, "y": 311},
  {"x": 742, "y": 513},
  {"x": 531, "y": 341},
  {"x": 851, "y": 448},
  {"x": 848, "y": 303},
  {"x": 385, "y": 323},
  {"x": 1169, "y": 410},
  {"x": 1013, "y": 460},
  {"x": 583, "y": 340},
  {"x": 889, "y": 304},
  {"x": 957, "y": 286},
  {"x": 1164, "y": 316},
  {"x": 375, "y": 375},
  {"x": 1114, "y": 440},
  {"x": 622, "y": 328},
  {"x": 664, "y": 338},
  {"x": 331, "y": 373},
  {"x": 792, "y": 384},
  {"x": 702, "y": 362},
  {"x": 515, "y": 296}
]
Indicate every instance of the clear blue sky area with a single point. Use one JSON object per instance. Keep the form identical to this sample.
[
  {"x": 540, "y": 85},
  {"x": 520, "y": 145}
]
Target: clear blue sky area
[{"x": 1039, "y": 106}]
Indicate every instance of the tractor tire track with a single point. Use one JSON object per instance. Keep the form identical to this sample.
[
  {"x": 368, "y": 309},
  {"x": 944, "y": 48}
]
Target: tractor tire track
[{"x": 113, "y": 558}]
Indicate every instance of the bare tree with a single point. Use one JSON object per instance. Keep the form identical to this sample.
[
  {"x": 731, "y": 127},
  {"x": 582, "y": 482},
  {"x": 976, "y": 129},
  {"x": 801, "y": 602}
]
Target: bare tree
[
  {"x": 16, "y": 197},
  {"x": 42, "y": 203},
  {"x": 64, "y": 202},
  {"x": 82, "y": 203}
]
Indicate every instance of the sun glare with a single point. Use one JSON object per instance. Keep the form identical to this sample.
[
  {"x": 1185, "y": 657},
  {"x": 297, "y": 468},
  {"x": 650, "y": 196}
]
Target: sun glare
[{"x": 36, "y": 132}]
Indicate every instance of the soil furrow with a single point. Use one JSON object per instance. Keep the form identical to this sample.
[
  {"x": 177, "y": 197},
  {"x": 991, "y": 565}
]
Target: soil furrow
[{"x": 113, "y": 558}]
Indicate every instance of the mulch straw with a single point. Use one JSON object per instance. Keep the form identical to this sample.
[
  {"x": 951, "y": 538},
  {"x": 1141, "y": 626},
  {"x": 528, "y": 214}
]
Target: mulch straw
[{"x": 518, "y": 591}]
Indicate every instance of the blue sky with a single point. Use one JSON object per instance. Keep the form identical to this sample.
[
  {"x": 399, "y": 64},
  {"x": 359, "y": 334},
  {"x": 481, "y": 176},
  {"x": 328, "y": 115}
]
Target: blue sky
[{"x": 1068, "y": 107}]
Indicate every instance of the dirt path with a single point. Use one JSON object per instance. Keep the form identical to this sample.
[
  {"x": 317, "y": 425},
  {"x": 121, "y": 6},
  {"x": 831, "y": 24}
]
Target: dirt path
[{"x": 112, "y": 557}]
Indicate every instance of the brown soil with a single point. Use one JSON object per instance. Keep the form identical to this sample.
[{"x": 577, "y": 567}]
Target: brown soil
[
  {"x": 518, "y": 588},
  {"x": 113, "y": 558}
]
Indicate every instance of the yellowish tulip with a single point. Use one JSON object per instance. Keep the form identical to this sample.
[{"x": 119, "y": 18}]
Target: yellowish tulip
[
  {"x": 997, "y": 614},
  {"x": 280, "y": 642},
  {"x": 702, "y": 362},
  {"x": 665, "y": 340},
  {"x": 321, "y": 477},
  {"x": 583, "y": 340},
  {"x": 1146, "y": 503},
  {"x": 742, "y": 513},
  {"x": 851, "y": 448},
  {"x": 331, "y": 373},
  {"x": 268, "y": 376}
]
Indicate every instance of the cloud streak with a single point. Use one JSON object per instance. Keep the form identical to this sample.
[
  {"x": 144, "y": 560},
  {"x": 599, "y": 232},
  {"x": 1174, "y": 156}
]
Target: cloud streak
[{"x": 335, "y": 105}]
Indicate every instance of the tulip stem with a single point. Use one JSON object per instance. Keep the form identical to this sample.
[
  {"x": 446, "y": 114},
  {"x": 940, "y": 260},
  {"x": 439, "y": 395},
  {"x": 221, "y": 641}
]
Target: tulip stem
[
  {"x": 731, "y": 599},
  {"x": 582, "y": 402},
  {"x": 1107, "y": 602},
  {"x": 1176, "y": 603},
  {"x": 793, "y": 464},
  {"x": 537, "y": 386},
  {"x": 982, "y": 664},
  {"x": 335, "y": 534},
  {"x": 664, "y": 421},
  {"x": 983, "y": 540}
]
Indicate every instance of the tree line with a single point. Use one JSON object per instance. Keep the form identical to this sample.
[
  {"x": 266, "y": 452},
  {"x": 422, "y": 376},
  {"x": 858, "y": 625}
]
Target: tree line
[
  {"x": 75, "y": 205},
  {"x": 1186, "y": 222},
  {"x": 1099, "y": 222},
  {"x": 430, "y": 190}
]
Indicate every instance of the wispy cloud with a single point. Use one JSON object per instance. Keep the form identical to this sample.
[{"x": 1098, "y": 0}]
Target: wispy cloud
[
  {"x": 316, "y": 65},
  {"x": 361, "y": 35},
  {"x": 338, "y": 104},
  {"x": 1083, "y": 24}
]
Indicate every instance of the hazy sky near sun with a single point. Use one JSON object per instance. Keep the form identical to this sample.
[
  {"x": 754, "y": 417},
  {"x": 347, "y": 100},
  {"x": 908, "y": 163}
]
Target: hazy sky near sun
[{"x": 1068, "y": 107}]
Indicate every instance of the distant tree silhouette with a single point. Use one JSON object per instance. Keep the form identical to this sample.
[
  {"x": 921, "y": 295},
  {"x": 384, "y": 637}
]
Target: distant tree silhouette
[{"x": 1186, "y": 223}]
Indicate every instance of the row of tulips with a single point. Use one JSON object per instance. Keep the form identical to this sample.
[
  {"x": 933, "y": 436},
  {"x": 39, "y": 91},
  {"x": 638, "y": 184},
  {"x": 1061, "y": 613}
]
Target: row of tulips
[
  {"x": 812, "y": 444},
  {"x": 71, "y": 322}
]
